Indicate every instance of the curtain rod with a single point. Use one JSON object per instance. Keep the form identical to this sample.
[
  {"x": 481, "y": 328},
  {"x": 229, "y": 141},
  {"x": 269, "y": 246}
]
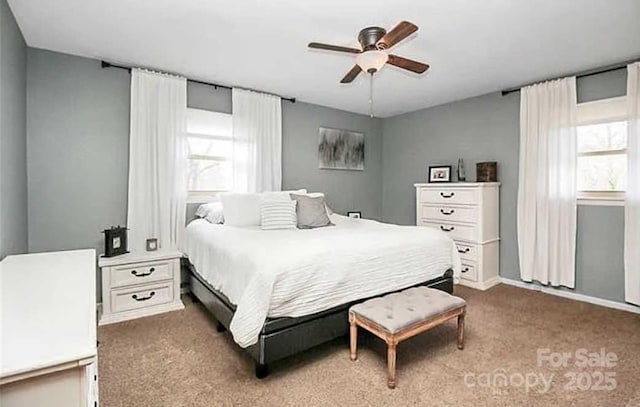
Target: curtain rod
[
  {"x": 106, "y": 64},
  {"x": 582, "y": 74}
]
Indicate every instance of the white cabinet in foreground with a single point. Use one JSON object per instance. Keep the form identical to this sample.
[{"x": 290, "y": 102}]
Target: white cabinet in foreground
[{"x": 48, "y": 328}]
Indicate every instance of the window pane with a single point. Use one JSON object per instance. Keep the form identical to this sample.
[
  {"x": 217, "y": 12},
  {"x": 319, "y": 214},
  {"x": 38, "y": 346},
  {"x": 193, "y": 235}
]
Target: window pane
[
  {"x": 206, "y": 122},
  {"x": 602, "y": 173},
  {"x": 600, "y": 137},
  {"x": 207, "y": 175},
  {"x": 211, "y": 147}
]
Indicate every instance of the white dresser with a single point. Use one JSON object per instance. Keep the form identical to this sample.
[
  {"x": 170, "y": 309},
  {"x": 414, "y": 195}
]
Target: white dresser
[
  {"x": 137, "y": 285},
  {"x": 469, "y": 213},
  {"x": 48, "y": 330}
]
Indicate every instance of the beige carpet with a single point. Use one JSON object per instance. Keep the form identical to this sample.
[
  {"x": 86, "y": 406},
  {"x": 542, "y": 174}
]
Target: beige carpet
[{"x": 178, "y": 359}]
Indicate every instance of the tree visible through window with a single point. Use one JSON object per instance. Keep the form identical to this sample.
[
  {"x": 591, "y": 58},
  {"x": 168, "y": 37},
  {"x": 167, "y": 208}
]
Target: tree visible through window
[
  {"x": 602, "y": 149},
  {"x": 602, "y": 157},
  {"x": 210, "y": 167}
]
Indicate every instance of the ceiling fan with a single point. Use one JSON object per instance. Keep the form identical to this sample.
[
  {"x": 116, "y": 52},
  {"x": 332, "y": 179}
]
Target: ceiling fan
[{"x": 375, "y": 41}]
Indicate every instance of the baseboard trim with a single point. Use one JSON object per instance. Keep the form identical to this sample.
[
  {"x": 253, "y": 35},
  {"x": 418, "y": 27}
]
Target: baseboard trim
[
  {"x": 482, "y": 286},
  {"x": 572, "y": 296},
  {"x": 139, "y": 313}
]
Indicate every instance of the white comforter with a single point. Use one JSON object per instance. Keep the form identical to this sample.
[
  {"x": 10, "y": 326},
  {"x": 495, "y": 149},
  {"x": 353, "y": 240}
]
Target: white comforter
[{"x": 293, "y": 273}]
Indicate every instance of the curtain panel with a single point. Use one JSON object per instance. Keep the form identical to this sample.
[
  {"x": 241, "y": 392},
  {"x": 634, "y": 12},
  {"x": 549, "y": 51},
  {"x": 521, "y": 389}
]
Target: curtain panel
[
  {"x": 632, "y": 195},
  {"x": 257, "y": 141},
  {"x": 157, "y": 160},
  {"x": 547, "y": 196}
]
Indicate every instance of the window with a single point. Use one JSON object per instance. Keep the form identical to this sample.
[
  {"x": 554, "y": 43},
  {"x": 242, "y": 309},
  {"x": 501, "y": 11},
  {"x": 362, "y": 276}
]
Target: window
[
  {"x": 602, "y": 151},
  {"x": 210, "y": 148}
]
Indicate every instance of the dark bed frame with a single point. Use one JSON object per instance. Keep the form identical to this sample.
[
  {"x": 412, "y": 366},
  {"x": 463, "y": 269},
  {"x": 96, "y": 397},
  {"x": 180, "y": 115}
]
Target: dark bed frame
[{"x": 283, "y": 337}]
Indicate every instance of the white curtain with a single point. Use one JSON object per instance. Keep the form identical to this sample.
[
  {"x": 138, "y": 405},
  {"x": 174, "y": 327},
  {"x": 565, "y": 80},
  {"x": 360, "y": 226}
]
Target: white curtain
[
  {"x": 157, "y": 160},
  {"x": 632, "y": 196},
  {"x": 547, "y": 196},
  {"x": 257, "y": 141}
]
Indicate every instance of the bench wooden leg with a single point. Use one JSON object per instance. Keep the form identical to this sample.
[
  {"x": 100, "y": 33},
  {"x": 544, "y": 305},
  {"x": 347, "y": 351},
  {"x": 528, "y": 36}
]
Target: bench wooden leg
[
  {"x": 391, "y": 365},
  {"x": 353, "y": 340},
  {"x": 461, "y": 331}
]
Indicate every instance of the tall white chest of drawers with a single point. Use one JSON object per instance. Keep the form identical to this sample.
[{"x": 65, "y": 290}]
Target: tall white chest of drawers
[{"x": 469, "y": 213}]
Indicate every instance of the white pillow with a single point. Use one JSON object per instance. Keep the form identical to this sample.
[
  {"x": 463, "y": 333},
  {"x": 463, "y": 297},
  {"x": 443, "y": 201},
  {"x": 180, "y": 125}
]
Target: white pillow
[
  {"x": 278, "y": 214},
  {"x": 241, "y": 209},
  {"x": 212, "y": 212},
  {"x": 244, "y": 209},
  {"x": 281, "y": 195}
]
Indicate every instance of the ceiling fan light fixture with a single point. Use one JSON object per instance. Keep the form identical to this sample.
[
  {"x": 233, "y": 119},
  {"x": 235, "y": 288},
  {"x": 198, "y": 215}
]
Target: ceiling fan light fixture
[{"x": 371, "y": 61}]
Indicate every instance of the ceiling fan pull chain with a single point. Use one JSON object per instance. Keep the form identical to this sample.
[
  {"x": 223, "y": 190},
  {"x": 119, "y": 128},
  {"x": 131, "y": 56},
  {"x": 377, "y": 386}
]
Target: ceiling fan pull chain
[{"x": 371, "y": 95}]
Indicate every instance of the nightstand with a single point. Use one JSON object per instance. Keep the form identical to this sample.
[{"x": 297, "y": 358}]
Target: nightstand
[{"x": 135, "y": 285}]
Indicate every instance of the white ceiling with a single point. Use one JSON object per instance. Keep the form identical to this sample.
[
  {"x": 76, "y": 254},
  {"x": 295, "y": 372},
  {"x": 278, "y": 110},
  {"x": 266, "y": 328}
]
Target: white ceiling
[{"x": 473, "y": 46}]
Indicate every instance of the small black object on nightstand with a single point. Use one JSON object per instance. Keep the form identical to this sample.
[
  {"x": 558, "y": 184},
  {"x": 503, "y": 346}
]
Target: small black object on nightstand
[{"x": 115, "y": 241}]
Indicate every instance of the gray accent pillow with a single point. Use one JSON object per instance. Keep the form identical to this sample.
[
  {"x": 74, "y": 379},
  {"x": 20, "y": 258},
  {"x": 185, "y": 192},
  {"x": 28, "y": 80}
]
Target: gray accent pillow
[{"x": 311, "y": 212}]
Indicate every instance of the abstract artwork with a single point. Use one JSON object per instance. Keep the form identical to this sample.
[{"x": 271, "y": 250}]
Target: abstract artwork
[{"x": 340, "y": 149}]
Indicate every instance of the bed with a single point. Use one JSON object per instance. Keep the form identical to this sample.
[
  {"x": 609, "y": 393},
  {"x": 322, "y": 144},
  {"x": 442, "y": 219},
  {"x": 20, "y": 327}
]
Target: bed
[{"x": 280, "y": 292}]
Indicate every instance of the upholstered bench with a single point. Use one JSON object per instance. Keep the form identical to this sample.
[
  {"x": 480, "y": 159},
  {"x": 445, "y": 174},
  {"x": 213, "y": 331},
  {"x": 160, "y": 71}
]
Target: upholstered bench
[{"x": 399, "y": 316}]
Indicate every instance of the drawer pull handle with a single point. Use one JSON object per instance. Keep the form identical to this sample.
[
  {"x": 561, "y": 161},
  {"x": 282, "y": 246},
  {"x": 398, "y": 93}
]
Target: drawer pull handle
[
  {"x": 451, "y": 195},
  {"x": 444, "y": 229},
  {"x": 451, "y": 212},
  {"x": 151, "y": 294},
  {"x": 135, "y": 273},
  {"x": 463, "y": 251},
  {"x": 464, "y": 270}
]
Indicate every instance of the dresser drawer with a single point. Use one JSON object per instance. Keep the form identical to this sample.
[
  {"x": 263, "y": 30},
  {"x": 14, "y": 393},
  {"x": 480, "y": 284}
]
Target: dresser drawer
[
  {"x": 469, "y": 271},
  {"x": 467, "y": 251},
  {"x": 141, "y": 297},
  {"x": 445, "y": 213},
  {"x": 141, "y": 273},
  {"x": 465, "y": 196},
  {"x": 455, "y": 231}
]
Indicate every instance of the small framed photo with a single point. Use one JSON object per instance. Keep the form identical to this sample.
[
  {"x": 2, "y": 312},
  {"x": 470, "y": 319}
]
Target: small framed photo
[
  {"x": 354, "y": 214},
  {"x": 152, "y": 244},
  {"x": 440, "y": 173}
]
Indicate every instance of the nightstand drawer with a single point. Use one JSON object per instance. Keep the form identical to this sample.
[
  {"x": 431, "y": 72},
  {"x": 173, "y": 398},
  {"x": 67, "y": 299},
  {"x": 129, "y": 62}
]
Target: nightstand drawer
[
  {"x": 469, "y": 271},
  {"x": 465, "y": 196},
  {"x": 130, "y": 299},
  {"x": 445, "y": 213},
  {"x": 140, "y": 273},
  {"x": 467, "y": 251}
]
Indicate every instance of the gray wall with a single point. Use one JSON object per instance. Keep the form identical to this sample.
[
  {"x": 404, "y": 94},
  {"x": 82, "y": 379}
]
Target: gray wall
[
  {"x": 78, "y": 126},
  {"x": 13, "y": 136},
  {"x": 345, "y": 190},
  {"x": 487, "y": 128},
  {"x": 78, "y": 131}
]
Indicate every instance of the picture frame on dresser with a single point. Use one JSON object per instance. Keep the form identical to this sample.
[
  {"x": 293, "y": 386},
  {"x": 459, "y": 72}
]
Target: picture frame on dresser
[
  {"x": 469, "y": 213},
  {"x": 439, "y": 173}
]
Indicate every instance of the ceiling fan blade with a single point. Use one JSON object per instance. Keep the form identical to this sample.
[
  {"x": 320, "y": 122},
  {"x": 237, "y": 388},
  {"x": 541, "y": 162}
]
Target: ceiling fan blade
[
  {"x": 351, "y": 75},
  {"x": 408, "y": 64},
  {"x": 397, "y": 34},
  {"x": 329, "y": 47}
]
